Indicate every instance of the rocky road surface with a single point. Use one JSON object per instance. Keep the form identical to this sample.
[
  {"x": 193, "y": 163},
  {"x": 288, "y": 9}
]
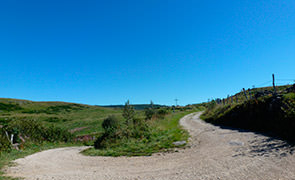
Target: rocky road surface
[{"x": 214, "y": 153}]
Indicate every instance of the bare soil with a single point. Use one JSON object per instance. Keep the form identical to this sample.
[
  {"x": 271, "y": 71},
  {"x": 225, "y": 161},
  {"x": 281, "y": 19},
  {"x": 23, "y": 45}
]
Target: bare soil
[{"x": 213, "y": 153}]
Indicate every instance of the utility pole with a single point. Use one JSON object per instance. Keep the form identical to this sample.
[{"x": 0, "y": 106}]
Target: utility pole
[{"x": 176, "y": 101}]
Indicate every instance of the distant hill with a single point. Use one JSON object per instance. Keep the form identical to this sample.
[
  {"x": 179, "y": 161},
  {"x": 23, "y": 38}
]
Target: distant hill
[
  {"x": 136, "y": 106},
  {"x": 62, "y": 114}
]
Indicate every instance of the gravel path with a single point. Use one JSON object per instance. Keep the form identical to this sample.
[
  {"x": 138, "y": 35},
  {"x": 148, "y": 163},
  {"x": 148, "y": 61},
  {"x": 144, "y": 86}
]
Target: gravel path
[{"x": 214, "y": 153}]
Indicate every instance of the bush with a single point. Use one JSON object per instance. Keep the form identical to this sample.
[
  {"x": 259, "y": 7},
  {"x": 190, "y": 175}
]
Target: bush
[
  {"x": 110, "y": 125},
  {"x": 56, "y": 134},
  {"x": 4, "y": 142},
  {"x": 211, "y": 105},
  {"x": 149, "y": 113},
  {"x": 9, "y": 107},
  {"x": 37, "y": 132},
  {"x": 128, "y": 113},
  {"x": 161, "y": 113},
  {"x": 141, "y": 129},
  {"x": 114, "y": 133}
]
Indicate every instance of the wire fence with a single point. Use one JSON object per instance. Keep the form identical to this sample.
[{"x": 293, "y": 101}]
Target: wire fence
[
  {"x": 271, "y": 87},
  {"x": 278, "y": 82}
]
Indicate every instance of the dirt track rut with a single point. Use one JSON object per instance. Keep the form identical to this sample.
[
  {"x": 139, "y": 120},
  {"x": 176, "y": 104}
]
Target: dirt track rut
[{"x": 214, "y": 153}]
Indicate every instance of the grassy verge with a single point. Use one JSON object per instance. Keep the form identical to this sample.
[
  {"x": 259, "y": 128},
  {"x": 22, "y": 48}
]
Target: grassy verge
[
  {"x": 270, "y": 114},
  {"x": 163, "y": 132},
  {"x": 7, "y": 157}
]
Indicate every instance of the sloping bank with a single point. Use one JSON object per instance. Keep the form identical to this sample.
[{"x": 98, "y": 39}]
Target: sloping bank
[{"x": 273, "y": 115}]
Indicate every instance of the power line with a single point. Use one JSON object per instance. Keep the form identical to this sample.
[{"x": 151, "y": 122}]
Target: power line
[
  {"x": 263, "y": 83},
  {"x": 282, "y": 83},
  {"x": 286, "y": 79}
]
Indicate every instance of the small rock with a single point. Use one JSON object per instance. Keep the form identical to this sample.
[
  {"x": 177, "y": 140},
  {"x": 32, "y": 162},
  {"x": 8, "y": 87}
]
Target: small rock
[
  {"x": 283, "y": 154},
  {"x": 236, "y": 143},
  {"x": 179, "y": 143}
]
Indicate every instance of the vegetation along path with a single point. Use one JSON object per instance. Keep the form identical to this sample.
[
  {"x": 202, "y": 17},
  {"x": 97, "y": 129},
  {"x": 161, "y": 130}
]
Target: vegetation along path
[{"x": 214, "y": 153}]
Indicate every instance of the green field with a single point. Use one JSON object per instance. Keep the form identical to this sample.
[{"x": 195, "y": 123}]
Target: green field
[{"x": 69, "y": 116}]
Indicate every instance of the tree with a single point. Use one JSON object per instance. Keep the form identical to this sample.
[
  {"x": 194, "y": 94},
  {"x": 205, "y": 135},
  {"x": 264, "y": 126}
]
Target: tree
[
  {"x": 149, "y": 112},
  {"x": 128, "y": 113}
]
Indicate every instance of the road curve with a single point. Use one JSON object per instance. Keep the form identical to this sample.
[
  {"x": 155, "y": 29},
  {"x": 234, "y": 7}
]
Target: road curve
[{"x": 214, "y": 153}]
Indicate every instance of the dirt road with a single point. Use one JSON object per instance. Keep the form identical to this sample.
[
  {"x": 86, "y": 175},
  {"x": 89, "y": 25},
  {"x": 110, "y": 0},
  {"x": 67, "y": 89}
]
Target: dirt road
[{"x": 214, "y": 153}]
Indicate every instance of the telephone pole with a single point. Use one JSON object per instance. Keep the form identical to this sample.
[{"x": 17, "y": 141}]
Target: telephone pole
[{"x": 176, "y": 101}]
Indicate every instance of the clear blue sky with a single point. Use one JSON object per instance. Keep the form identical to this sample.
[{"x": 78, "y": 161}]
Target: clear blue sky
[{"x": 106, "y": 51}]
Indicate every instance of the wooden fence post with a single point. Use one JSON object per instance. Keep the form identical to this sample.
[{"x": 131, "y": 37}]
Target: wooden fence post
[
  {"x": 250, "y": 93},
  {"x": 273, "y": 84}
]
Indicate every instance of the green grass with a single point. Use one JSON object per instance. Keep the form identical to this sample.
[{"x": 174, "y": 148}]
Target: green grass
[
  {"x": 163, "y": 133},
  {"x": 64, "y": 115}
]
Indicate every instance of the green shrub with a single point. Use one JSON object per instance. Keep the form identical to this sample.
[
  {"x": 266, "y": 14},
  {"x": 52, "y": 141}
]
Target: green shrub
[
  {"x": 9, "y": 107},
  {"x": 149, "y": 113},
  {"x": 63, "y": 108},
  {"x": 37, "y": 132},
  {"x": 211, "y": 105},
  {"x": 161, "y": 113},
  {"x": 140, "y": 129},
  {"x": 128, "y": 113},
  {"x": 110, "y": 124},
  {"x": 56, "y": 134},
  {"x": 112, "y": 132},
  {"x": 53, "y": 119},
  {"x": 290, "y": 96},
  {"x": 4, "y": 142}
]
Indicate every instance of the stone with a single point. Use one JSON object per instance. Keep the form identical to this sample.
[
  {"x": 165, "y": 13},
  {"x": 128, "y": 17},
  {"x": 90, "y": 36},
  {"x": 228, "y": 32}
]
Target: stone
[{"x": 179, "y": 143}]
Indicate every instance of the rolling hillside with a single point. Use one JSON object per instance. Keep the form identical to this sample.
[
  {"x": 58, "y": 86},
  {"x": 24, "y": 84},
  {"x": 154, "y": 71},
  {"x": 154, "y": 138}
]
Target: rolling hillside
[
  {"x": 136, "y": 106},
  {"x": 78, "y": 118}
]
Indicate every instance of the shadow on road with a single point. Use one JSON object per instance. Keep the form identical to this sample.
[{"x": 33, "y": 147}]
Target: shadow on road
[{"x": 263, "y": 145}]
